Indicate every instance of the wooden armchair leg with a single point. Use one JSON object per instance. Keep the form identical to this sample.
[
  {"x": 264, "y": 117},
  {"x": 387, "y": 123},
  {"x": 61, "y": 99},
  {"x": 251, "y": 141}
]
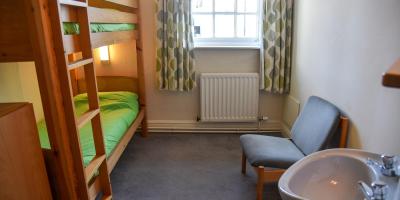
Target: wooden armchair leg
[
  {"x": 243, "y": 163},
  {"x": 260, "y": 182}
]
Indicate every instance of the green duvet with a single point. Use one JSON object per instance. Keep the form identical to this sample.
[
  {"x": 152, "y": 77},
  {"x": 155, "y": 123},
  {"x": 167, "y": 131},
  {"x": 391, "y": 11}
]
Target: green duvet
[
  {"x": 72, "y": 28},
  {"x": 117, "y": 109}
]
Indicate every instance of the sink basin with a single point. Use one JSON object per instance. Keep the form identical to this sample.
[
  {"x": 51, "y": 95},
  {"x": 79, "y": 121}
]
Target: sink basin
[{"x": 330, "y": 175}]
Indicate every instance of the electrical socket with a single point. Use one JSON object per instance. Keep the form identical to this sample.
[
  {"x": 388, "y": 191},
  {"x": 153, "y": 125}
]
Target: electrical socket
[{"x": 263, "y": 118}]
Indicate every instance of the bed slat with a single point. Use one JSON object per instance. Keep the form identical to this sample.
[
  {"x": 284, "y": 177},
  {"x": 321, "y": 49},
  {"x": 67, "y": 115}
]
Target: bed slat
[
  {"x": 111, "y": 16},
  {"x": 86, "y": 117},
  {"x": 91, "y": 169},
  {"x": 121, "y": 5},
  {"x": 79, "y": 63}
]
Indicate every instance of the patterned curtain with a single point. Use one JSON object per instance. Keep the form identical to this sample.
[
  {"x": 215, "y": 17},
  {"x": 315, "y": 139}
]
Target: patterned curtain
[
  {"x": 277, "y": 45},
  {"x": 175, "y": 56}
]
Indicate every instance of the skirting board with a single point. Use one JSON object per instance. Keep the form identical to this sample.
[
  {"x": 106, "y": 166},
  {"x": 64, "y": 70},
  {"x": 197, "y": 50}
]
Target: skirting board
[{"x": 176, "y": 126}]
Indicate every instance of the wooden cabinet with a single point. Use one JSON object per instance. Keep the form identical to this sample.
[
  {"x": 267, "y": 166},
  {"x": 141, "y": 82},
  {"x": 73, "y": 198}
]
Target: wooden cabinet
[{"x": 22, "y": 168}]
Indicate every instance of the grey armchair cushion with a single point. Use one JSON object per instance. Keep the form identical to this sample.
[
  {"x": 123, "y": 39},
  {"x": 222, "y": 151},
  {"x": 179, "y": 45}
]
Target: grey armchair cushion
[
  {"x": 270, "y": 151},
  {"x": 315, "y": 125}
]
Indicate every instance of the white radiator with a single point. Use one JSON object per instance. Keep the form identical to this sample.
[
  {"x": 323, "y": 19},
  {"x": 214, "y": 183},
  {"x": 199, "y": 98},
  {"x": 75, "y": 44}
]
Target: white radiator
[{"x": 229, "y": 97}]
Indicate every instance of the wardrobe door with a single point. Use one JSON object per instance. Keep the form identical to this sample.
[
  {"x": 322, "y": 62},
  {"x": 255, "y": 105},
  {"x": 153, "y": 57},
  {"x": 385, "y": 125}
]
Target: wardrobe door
[{"x": 22, "y": 168}]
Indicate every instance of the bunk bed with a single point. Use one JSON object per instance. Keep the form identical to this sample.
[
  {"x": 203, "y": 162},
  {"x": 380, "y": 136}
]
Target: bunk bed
[
  {"x": 59, "y": 35},
  {"x": 120, "y": 113}
]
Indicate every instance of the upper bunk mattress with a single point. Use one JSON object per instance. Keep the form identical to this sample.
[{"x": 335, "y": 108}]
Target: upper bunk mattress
[
  {"x": 72, "y": 28},
  {"x": 117, "y": 110}
]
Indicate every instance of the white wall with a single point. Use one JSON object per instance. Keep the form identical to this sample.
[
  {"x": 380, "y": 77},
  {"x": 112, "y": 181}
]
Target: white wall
[
  {"x": 171, "y": 107},
  {"x": 341, "y": 49},
  {"x": 18, "y": 83}
]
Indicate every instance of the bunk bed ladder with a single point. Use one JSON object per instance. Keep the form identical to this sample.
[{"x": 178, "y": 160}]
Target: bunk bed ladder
[{"x": 99, "y": 162}]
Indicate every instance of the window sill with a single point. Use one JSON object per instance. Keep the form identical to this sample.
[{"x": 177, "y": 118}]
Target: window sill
[{"x": 226, "y": 47}]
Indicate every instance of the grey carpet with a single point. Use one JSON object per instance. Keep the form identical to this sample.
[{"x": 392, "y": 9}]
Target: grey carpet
[{"x": 185, "y": 166}]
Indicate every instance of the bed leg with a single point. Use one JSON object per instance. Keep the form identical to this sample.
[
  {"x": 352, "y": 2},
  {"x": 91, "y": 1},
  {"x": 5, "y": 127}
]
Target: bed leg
[{"x": 144, "y": 132}]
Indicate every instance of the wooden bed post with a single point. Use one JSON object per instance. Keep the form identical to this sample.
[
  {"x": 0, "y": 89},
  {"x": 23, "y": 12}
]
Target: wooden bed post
[
  {"x": 141, "y": 72},
  {"x": 46, "y": 68}
]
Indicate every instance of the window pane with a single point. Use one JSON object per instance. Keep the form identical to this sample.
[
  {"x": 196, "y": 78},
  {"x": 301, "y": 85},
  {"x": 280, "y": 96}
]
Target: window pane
[
  {"x": 251, "y": 26},
  {"x": 251, "y": 5},
  {"x": 224, "y": 26},
  {"x": 240, "y": 26},
  {"x": 224, "y": 5},
  {"x": 241, "y": 5},
  {"x": 246, "y": 26},
  {"x": 203, "y": 26},
  {"x": 247, "y": 5},
  {"x": 202, "y": 5}
]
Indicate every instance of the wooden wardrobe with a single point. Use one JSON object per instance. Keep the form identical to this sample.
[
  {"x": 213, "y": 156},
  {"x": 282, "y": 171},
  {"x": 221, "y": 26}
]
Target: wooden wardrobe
[{"x": 22, "y": 169}]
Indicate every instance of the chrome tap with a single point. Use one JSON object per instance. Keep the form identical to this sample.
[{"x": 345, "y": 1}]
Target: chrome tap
[
  {"x": 389, "y": 167},
  {"x": 377, "y": 191}
]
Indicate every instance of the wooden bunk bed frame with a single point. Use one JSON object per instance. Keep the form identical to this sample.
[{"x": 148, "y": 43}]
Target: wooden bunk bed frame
[
  {"x": 117, "y": 83},
  {"x": 35, "y": 34}
]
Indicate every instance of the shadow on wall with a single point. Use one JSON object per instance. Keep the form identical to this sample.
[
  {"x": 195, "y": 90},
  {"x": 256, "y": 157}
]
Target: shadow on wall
[{"x": 18, "y": 83}]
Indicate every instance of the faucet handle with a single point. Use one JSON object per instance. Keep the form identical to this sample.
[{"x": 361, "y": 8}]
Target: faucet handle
[
  {"x": 365, "y": 189},
  {"x": 388, "y": 161},
  {"x": 389, "y": 167},
  {"x": 380, "y": 190},
  {"x": 377, "y": 191}
]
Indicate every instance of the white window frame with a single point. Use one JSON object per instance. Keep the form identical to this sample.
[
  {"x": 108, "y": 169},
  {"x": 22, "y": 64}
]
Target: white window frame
[{"x": 230, "y": 42}]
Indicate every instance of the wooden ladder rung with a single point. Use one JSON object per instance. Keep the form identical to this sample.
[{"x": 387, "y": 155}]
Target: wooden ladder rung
[
  {"x": 86, "y": 117},
  {"x": 79, "y": 63},
  {"x": 107, "y": 198},
  {"x": 93, "y": 166},
  {"x": 73, "y": 3}
]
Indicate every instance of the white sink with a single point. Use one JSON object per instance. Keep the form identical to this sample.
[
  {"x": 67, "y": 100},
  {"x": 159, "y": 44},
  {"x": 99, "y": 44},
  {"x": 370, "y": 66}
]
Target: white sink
[{"x": 331, "y": 175}]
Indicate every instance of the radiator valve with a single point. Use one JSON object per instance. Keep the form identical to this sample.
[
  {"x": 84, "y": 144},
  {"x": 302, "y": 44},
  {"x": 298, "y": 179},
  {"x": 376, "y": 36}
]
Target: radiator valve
[{"x": 263, "y": 118}]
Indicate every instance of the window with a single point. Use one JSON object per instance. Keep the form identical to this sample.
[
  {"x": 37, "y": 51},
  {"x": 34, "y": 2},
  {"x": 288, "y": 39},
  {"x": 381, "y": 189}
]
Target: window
[{"x": 226, "y": 22}]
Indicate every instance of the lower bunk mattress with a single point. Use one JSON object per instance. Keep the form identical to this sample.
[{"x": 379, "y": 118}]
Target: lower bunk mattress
[{"x": 117, "y": 110}]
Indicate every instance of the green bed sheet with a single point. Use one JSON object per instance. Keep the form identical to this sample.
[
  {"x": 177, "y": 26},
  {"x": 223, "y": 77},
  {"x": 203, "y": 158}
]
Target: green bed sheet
[
  {"x": 72, "y": 28},
  {"x": 117, "y": 110}
]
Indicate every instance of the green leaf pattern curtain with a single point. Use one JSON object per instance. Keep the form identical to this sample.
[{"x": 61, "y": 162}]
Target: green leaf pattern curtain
[
  {"x": 277, "y": 45},
  {"x": 175, "y": 56}
]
